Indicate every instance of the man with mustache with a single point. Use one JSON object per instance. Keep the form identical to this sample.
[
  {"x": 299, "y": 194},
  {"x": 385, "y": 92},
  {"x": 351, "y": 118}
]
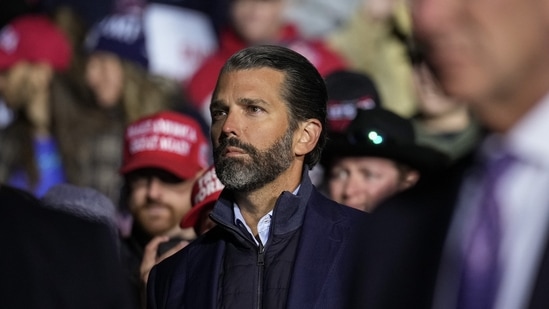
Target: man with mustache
[
  {"x": 278, "y": 242},
  {"x": 163, "y": 154}
]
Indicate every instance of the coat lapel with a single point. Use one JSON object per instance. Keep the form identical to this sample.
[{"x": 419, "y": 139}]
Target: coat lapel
[{"x": 318, "y": 261}]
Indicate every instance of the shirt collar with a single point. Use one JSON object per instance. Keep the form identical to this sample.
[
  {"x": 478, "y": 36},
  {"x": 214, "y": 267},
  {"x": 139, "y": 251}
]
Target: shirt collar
[
  {"x": 263, "y": 226},
  {"x": 526, "y": 139}
]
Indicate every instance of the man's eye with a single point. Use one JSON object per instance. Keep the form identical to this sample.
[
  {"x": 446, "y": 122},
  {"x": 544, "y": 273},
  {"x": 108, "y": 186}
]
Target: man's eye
[
  {"x": 137, "y": 182},
  {"x": 254, "y": 109},
  {"x": 218, "y": 114},
  {"x": 370, "y": 175},
  {"x": 339, "y": 174}
]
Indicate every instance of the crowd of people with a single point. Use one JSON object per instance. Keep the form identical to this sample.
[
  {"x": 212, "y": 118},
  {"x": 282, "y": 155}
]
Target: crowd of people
[{"x": 252, "y": 154}]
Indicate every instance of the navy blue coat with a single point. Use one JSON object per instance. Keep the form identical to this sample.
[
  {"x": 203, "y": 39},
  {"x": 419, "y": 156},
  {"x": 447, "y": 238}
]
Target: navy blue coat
[{"x": 321, "y": 273}]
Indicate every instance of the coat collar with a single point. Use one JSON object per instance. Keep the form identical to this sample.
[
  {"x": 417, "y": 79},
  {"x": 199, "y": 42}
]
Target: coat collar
[
  {"x": 288, "y": 212},
  {"x": 320, "y": 266},
  {"x": 321, "y": 259}
]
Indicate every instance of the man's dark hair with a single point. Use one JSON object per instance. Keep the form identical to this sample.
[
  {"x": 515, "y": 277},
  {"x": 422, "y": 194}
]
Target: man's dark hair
[{"x": 303, "y": 89}]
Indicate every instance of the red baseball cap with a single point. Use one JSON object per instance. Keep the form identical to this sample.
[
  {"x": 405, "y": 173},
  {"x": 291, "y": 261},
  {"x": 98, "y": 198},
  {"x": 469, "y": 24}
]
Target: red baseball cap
[
  {"x": 205, "y": 192},
  {"x": 167, "y": 140},
  {"x": 34, "y": 38}
]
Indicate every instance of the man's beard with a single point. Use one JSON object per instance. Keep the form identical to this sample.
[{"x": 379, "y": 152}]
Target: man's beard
[{"x": 248, "y": 174}]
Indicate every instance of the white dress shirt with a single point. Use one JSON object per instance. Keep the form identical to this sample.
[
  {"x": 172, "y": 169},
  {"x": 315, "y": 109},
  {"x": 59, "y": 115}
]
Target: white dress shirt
[
  {"x": 263, "y": 226},
  {"x": 523, "y": 195}
]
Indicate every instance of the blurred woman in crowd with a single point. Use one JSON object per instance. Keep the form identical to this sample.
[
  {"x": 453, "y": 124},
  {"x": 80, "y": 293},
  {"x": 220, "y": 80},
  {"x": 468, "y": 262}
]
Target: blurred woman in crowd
[
  {"x": 121, "y": 85},
  {"x": 116, "y": 70},
  {"x": 36, "y": 147}
]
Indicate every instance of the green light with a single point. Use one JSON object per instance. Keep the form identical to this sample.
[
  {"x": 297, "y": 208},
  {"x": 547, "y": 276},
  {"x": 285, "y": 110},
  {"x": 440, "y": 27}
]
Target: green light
[{"x": 375, "y": 138}]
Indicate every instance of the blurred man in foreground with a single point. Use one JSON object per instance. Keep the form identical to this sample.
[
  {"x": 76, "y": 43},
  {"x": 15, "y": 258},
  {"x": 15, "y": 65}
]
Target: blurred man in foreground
[{"x": 476, "y": 237}]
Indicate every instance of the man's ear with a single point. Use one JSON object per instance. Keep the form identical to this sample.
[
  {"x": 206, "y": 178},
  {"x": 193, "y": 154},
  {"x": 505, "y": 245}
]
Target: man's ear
[
  {"x": 307, "y": 136},
  {"x": 409, "y": 179}
]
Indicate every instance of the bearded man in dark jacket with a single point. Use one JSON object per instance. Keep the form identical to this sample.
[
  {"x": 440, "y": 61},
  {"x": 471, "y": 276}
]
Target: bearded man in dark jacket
[{"x": 278, "y": 243}]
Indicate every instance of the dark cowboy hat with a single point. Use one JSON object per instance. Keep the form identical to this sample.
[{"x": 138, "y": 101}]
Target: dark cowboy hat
[{"x": 382, "y": 133}]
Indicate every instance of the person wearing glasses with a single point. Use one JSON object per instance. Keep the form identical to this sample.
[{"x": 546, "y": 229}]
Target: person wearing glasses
[{"x": 374, "y": 158}]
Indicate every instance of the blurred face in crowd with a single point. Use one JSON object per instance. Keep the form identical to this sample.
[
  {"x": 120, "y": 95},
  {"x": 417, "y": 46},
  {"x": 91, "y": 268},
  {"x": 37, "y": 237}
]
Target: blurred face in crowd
[
  {"x": 23, "y": 81},
  {"x": 257, "y": 21},
  {"x": 492, "y": 54},
  {"x": 363, "y": 182},
  {"x": 105, "y": 77},
  {"x": 158, "y": 200},
  {"x": 253, "y": 143}
]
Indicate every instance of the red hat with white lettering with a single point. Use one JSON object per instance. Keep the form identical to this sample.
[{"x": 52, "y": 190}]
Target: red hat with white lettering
[
  {"x": 34, "y": 38},
  {"x": 167, "y": 140},
  {"x": 206, "y": 191}
]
